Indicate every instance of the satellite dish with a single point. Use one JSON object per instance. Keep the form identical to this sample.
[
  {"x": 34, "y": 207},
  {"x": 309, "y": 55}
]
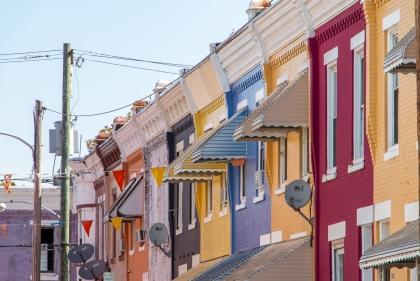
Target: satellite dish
[
  {"x": 81, "y": 253},
  {"x": 92, "y": 270},
  {"x": 298, "y": 193},
  {"x": 158, "y": 233}
]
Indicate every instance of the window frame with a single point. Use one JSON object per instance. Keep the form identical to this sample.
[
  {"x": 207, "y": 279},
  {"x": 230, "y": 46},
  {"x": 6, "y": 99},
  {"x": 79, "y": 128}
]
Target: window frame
[
  {"x": 50, "y": 252},
  {"x": 337, "y": 250},
  {"x": 180, "y": 190},
  {"x": 332, "y": 97},
  {"x": 392, "y": 104},
  {"x": 382, "y": 224},
  {"x": 261, "y": 156},
  {"x": 192, "y": 203},
  {"x": 242, "y": 183},
  {"x": 209, "y": 198},
  {"x": 283, "y": 161},
  {"x": 367, "y": 242},
  {"x": 305, "y": 153},
  {"x": 358, "y": 103}
]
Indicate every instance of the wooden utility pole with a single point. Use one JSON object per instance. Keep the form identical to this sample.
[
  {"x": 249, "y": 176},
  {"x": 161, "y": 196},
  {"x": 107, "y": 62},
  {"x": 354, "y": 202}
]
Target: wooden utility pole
[
  {"x": 36, "y": 243},
  {"x": 64, "y": 172}
]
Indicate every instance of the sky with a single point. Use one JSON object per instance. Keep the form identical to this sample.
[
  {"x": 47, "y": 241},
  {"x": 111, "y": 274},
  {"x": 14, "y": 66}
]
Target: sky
[{"x": 165, "y": 31}]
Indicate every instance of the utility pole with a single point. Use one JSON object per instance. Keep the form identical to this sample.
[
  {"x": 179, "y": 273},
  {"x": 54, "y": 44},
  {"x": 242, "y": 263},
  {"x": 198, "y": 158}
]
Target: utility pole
[
  {"x": 64, "y": 172},
  {"x": 37, "y": 155}
]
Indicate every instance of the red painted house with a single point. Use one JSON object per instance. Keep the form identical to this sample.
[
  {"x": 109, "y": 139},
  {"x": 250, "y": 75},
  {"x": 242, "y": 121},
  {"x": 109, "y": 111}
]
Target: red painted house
[{"x": 342, "y": 164}]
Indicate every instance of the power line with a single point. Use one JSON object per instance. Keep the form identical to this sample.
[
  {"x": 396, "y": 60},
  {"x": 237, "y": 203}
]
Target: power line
[
  {"x": 34, "y": 52},
  {"x": 31, "y": 57},
  {"x": 93, "y": 54},
  {"x": 30, "y": 60},
  {"x": 149, "y": 69}
]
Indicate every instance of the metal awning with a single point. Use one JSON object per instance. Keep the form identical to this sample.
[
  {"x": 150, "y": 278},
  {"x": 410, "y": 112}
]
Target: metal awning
[
  {"x": 243, "y": 131},
  {"x": 402, "y": 58},
  {"x": 198, "y": 269},
  {"x": 220, "y": 146},
  {"x": 284, "y": 261},
  {"x": 398, "y": 250},
  {"x": 130, "y": 202},
  {"x": 182, "y": 169}
]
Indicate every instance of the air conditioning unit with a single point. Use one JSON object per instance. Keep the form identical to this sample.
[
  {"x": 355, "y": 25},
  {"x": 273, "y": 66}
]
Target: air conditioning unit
[
  {"x": 259, "y": 178},
  {"x": 121, "y": 245},
  {"x": 140, "y": 235},
  {"x": 224, "y": 197}
]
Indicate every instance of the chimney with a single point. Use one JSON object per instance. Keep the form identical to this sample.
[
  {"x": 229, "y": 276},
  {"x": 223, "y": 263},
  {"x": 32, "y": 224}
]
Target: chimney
[
  {"x": 138, "y": 106},
  {"x": 257, "y": 6},
  {"x": 160, "y": 85},
  {"x": 101, "y": 138}
]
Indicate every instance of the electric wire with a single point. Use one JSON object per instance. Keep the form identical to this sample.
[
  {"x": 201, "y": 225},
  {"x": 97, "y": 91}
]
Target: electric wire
[
  {"x": 30, "y": 60},
  {"x": 33, "y": 52},
  {"x": 31, "y": 57}
]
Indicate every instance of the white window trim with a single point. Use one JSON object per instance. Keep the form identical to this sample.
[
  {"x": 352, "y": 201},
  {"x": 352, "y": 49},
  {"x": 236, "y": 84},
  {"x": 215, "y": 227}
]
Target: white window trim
[
  {"x": 259, "y": 95},
  {"x": 330, "y": 175},
  {"x": 242, "y": 205},
  {"x": 282, "y": 79},
  {"x": 357, "y": 164},
  {"x": 367, "y": 274},
  {"x": 331, "y": 68},
  {"x": 381, "y": 234},
  {"x": 192, "y": 207},
  {"x": 305, "y": 156},
  {"x": 242, "y": 104},
  {"x": 259, "y": 198},
  {"x": 208, "y": 218},
  {"x": 392, "y": 152},
  {"x": 223, "y": 212},
  {"x": 283, "y": 161},
  {"x": 209, "y": 199},
  {"x": 281, "y": 189},
  {"x": 331, "y": 56},
  {"x": 208, "y": 126},
  {"x": 358, "y": 108},
  {"x": 336, "y": 248},
  {"x": 222, "y": 117},
  {"x": 180, "y": 146},
  {"x": 180, "y": 203},
  {"x": 391, "y": 20},
  {"x": 193, "y": 224},
  {"x": 391, "y": 33}
]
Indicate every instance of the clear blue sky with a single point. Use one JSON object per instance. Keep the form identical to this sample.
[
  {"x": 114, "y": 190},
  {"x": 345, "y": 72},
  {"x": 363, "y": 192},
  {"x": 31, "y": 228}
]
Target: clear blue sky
[{"x": 167, "y": 30}]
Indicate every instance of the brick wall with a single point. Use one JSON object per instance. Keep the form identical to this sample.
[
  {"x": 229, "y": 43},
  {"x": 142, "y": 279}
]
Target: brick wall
[{"x": 338, "y": 199}]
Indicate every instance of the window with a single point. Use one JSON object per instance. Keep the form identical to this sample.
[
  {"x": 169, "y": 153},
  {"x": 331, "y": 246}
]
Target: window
[
  {"x": 383, "y": 230},
  {"x": 114, "y": 236},
  {"x": 192, "y": 205},
  {"x": 223, "y": 191},
  {"x": 338, "y": 262},
  {"x": 209, "y": 199},
  {"x": 367, "y": 274},
  {"x": 242, "y": 187},
  {"x": 359, "y": 104},
  {"x": 261, "y": 156},
  {"x": 305, "y": 152},
  {"x": 332, "y": 115},
  {"x": 47, "y": 250},
  {"x": 179, "y": 212},
  {"x": 392, "y": 96},
  {"x": 80, "y": 227},
  {"x": 101, "y": 222},
  {"x": 283, "y": 161},
  {"x": 133, "y": 234}
]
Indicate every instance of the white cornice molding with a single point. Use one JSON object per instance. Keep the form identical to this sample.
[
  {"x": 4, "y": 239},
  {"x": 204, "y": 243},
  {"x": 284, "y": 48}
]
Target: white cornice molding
[
  {"x": 120, "y": 145},
  {"x": 220, "y": 73},
  {"x": 307, "y": 18},
  {"x": 322, "y": 11},
  {"x": 262, "y": 47},
  {"x": 129, "y": 137},
  {"x": 175, "y": 104},
  {"x": 152, "y": 122},
  {"x": 190, "y": 101},
  {"x": 163, "y": 112}
]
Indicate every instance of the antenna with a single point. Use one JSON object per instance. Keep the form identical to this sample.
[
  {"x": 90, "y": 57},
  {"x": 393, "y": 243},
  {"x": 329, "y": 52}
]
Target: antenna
[
  {"x": 297, "y": 195},
  {"x": 158, "y": 234},
  {"x": 81, "y": 253},
  {"x": 92, "y": 270}
]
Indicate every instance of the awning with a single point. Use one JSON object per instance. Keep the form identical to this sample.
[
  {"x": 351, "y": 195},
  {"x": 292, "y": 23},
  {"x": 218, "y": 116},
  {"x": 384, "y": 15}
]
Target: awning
[
  {"x": 196, "y": 270},
  {"x": 220, "y": 146},
  {"x": 398, "y": 250},
  {"x": 402, "y": 58},
  {"x": 284, "y": 112},
  {"x": 182, "y": 169},
  {"x": 130, "y": 202},
  {"x": 285, "y": 261}
]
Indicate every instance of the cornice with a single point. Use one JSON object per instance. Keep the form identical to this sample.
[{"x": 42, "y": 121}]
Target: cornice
[
  {"x": 151, "y": 122},
  {"x": 379, "y": 3},
  {"x": 220, "y": 101},
  {"x": 129, "y": 139},
  {"x": 340, "y": 26},
  {"x": 157, "y": 142},
  {"x": 175, "y": 105},
  {"x": 247, "y": 83},
  {"x": 182, "y": 127},
  {"x": 323, "y": 11},
  {"x": 289, "y": 54}
]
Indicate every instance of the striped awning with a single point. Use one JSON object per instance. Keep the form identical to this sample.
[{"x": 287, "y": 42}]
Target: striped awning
[
  {"x": 129, "y": 204},
  {"x": 398, "y": 250},
  {"x": 402, "y": 58},
  {"x": 283, "y": 112},
  {"x": 220, "y": 146},
  {"x": 284, "y": 261},
  {"x": 182, "y": 169}
]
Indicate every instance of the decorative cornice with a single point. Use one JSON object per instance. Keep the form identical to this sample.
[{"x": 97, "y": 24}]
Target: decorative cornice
[
  {"x": 379, "y": 3},
  {"x": 185, "y": 125},
  {"x": 247, "y": 83},
  {"x": 109, "y": 153},
  {"x": 156, "y": 142},
  {"x": 290, "y": 54},
  {"x": 99, "y": 183},
  {"x": 340, "y": 26},
  {"x": 134, "y": 159},
  {"x": 81, "y": 206},
  {"x": 212, "y": 106}
]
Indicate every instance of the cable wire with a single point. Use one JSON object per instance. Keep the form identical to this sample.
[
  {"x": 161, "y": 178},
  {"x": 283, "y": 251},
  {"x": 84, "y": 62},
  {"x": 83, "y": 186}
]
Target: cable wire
[
  {"x": 34, "y": 52},
  {"x": 30, "y": 60}
]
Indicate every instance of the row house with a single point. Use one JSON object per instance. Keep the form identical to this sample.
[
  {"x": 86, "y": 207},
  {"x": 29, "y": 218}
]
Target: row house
[
  {"x": 392, "y": 134},
  {"x": 306, "y": 90}
]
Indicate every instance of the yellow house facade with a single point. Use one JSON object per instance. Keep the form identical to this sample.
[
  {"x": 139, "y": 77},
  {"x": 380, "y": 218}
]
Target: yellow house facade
[{"x": 391, "y": 124}]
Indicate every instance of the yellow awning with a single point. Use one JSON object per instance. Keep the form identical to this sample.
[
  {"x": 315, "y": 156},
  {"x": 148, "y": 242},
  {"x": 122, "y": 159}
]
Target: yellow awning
[{"x": 182, "y": 169}]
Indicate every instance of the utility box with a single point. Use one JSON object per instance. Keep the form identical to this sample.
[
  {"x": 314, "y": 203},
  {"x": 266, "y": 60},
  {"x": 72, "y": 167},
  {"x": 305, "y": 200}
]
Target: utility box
[{"x": 56, "y": 139}]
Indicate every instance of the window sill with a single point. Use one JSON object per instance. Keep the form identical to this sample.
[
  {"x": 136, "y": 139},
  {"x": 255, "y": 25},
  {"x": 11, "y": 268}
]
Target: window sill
[
  {"x": 306, "y": 178},
  {"x": 142, "y": 247},
  {"x": 192, "y": 225},
  {"x": 241, "y": 206},
  {"x": 392, "y": 152},
  {"x": 113, "y": 260},
  {"x": 223, "y": 212},
  {"x": 331, "y": 175},
  {"x": 47, "y": 276},
  {"x": 281, "y": 189},
  {"x": 131, "y": 252},
  {"x": 208, "y": 219},
  {"x": 178, "y": 230},
  {"x": 259, "y": 198},
  {"x": 121, "y": 258},
  {"x": 357, "y": 165}
]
